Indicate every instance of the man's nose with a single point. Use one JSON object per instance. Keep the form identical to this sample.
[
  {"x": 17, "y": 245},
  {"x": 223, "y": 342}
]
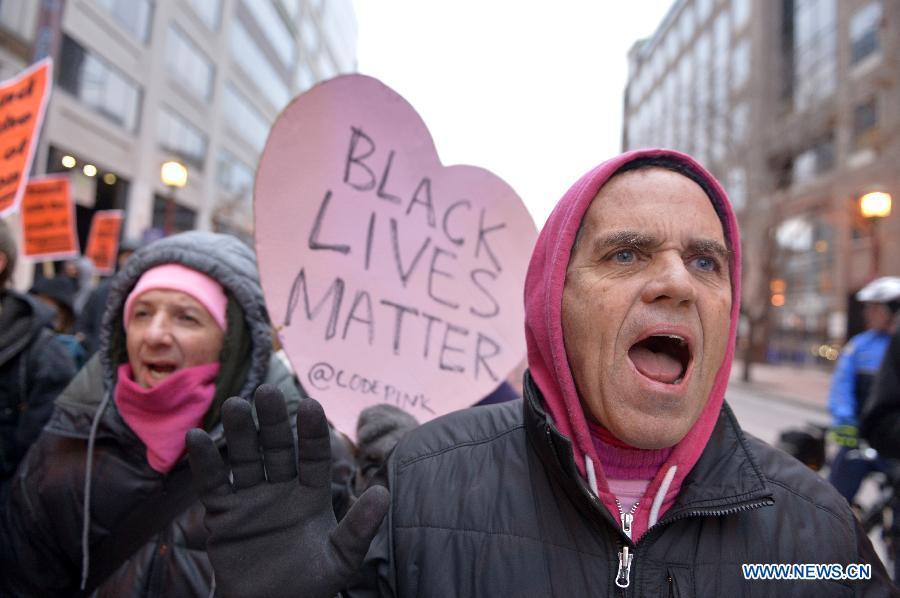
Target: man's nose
[{"x": 670, "y": 280}]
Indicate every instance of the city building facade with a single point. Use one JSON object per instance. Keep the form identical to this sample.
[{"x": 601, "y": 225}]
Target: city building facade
[
  {"x": 795, "y": 106},
  {"x": 138, "y": 83}
]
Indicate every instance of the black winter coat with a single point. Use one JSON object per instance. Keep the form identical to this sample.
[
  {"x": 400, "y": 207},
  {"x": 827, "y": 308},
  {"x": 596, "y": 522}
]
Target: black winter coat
[
  {"x": 487, "y": 502},
  {"x": 34, "y": 369},
  {"x": 880, "y": 422}
]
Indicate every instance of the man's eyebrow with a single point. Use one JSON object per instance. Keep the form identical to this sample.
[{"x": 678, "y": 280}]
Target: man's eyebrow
[
  {"x": 710, "y": 246},
  {"x": 626, "y": 238}
]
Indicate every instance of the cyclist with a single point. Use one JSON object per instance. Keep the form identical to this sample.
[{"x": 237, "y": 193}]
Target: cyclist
[{"x": 856, "y": 369}]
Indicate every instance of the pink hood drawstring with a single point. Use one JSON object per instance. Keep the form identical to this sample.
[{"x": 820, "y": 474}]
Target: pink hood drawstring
[{"x": 547, "y": 360}]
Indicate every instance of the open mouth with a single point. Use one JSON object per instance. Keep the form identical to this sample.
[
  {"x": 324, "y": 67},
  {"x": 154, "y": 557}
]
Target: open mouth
[
  {"x": 662, "y": 357},
  {"x": 160, "y": 370}
]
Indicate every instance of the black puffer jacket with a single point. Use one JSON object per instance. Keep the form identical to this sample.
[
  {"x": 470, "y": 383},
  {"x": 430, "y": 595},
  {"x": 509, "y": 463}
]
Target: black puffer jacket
[
  {"x": 880, "y": 422},
  {"x": 34, "y": 369},
  {"x": 487, "y": 502},
  {"x": 41, "y": 549}
]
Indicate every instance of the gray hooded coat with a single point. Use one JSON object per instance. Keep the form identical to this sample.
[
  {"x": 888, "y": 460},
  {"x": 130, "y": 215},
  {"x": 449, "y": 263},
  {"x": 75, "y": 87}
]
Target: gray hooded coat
[{"x": 53, "y": 513}]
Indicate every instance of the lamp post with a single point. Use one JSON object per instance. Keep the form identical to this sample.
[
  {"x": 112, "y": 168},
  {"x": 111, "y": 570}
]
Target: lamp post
[
  {"x": 174, "y": 176},
  {"x": 874, "y": 206}
]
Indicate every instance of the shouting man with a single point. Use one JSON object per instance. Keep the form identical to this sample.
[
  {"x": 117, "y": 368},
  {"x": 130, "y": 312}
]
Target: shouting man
[{"x": 622, "y": 472}]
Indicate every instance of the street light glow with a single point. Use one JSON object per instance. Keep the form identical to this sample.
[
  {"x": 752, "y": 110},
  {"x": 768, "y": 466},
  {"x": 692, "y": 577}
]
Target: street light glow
[
  {"x": 68, "y": 161},
  {"x": 89, "y": 170},
  {"x": 173, "y": 174},
  {"x": 875, "y": 205}
]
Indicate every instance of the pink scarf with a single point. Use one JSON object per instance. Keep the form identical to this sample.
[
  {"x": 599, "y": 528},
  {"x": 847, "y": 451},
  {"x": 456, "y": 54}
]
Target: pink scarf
[{"x": 162, "y": 415}]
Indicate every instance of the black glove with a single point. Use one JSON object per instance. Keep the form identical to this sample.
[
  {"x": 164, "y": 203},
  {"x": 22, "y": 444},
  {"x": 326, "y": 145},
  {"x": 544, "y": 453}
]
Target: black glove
[{"x": 272, "y": 532}]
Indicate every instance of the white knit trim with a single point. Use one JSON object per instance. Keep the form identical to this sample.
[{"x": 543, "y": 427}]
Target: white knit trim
[{"x": 591, "y": 475}]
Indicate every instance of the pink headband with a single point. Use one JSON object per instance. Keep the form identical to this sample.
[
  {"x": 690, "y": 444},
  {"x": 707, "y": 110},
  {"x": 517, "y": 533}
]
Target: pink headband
[{"x": 175, "y": 277}]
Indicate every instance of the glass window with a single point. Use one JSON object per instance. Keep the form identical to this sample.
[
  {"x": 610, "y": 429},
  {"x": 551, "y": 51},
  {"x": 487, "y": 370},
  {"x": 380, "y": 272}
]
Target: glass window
[
  {"x": 704, "y": 9},
  {"x": 305, "y": 77},
  {"x": 339, "y": 26},
  {"x": 209, "y": 11},
  {"x": 99, "y": 85},
  {"x": 736, "y": 187},
  {"x": 19, "y": 18},
  {"x": 815, "y": 51},
  {"x": 255, "y": 65},
  {"x": 310, "y": 35},
  {"x": 275, "y": 29},
  {"x": 740, "y": 64},
  {"x": 864, "y": 31},
  {"x": 233, "y": 176},
  {"x": 865, "y": 122},
  {"x": 244, "y": 119},
  {"x": 813, "y": 161},
  {"x": 292, "y": 7},
  {"x": 133, "y": 15},
  {"x": 686, "y": 24},
  {"x": 175, "y": 134},
  {"x": 740, "y": 9},
  {"x": 740, "y": 118},
  {"x": 188, "y": 65},
  {"x": 324, "y": 65}
]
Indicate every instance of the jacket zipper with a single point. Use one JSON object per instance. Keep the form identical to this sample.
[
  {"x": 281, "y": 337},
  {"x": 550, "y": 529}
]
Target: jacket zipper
[{"x": 623, "y": 575}]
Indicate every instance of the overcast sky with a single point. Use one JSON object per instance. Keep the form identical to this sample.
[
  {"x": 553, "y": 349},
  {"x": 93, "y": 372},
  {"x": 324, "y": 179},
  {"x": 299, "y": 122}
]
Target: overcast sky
[{"x": 529, "y": 90}]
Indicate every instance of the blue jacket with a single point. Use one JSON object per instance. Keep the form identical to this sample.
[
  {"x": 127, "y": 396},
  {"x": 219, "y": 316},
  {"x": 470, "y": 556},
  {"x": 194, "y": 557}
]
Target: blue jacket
[{"x": 859, "y": 361}]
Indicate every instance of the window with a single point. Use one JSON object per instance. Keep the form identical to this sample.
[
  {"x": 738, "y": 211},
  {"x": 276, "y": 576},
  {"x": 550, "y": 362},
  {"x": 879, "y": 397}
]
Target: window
[
  {"x": 740, "y": 9},
  {"x": 815, "y": 160},
  {"x": 325, "y": 67},
  {"x": 686, "y": 24},
  {"x": 275, "y": 29},
  {"x": 310, "y": 35},
  {"x": 704, "y": 9},
  {"x": 815, "y": 51},
  {"x": 177, "y": 135},
  {"x": 865, "y": 122},
  {"x": 292, "y": 7},
  {"x": 740, "y": 65},
  {"x": 19, "y": 18},
  {"x": 209, "y": 11},
  {"x": 172, "y": 217},
  {"x": 99, "y": 85},
  {"x": 736, "y": 187},
  {"x": 233, "y": 176},
  {"x": 244, "y": 119},
  {"x": 339, "y": 24},
  {"x": 864, "y": 32},
  {"x": 305, "y": 77},
  {"x": 188, "y": 65},
  {"x": 257, "y": 67},
  {"x": 740, "y": 118},
  {"x": 133, "y": 15}
]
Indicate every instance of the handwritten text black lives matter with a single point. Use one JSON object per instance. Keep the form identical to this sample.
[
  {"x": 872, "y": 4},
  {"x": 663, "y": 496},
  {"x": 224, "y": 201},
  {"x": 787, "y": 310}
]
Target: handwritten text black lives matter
[{"x": 414, "y": 330}]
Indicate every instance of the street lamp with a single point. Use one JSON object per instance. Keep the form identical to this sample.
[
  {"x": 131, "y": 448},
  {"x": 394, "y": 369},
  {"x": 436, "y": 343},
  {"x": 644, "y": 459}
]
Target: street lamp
[
  {"x": 174, "y": 176},
  {"x": 874, "y": 206}
]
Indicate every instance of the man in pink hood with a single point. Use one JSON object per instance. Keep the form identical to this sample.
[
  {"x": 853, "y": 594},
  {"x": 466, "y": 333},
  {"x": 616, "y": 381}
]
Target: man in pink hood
[{"x": 622, "y": 472}]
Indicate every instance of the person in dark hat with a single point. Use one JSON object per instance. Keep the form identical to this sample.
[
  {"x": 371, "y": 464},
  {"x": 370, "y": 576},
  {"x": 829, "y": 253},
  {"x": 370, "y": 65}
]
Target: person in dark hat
[{"x": 58, "y": 294}]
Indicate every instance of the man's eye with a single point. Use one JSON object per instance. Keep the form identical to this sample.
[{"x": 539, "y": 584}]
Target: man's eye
[
  {"x": 188, "y": 318},
  {"x": 706, "y": 263},
  {"x": 624, "y": 256}
]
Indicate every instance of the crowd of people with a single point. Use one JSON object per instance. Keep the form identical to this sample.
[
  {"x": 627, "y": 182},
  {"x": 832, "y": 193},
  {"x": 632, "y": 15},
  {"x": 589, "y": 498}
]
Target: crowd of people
[{"x": 155, "y": 443}]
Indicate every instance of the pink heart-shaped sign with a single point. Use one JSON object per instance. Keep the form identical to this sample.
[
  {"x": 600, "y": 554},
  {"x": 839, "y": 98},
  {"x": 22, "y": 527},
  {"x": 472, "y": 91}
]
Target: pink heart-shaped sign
[{"x": 389, "y": 277}]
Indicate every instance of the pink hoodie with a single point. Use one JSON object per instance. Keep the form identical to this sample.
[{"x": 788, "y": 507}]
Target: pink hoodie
[{"x": 547, "y": 359}]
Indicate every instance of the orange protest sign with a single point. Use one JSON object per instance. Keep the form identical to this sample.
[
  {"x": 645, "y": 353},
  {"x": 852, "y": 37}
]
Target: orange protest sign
[
  {"x": 103, "y": 240},
  {"x": 22, "y": 103},
  {"x": 48, "y": 219}
]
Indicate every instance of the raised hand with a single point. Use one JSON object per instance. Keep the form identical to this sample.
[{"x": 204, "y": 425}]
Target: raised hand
[{"x": 273, "y": 532}]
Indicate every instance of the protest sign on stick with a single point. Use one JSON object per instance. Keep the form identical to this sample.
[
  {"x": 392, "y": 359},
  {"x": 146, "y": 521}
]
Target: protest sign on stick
[
  {"x": 103, "y": 240},
  {"x": 390, "y": 277},
  {"x": 48, "y": 219},
  {"x": 22, "y": 103}
]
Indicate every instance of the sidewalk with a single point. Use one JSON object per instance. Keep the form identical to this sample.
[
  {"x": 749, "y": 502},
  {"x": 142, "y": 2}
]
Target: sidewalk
[{"x": 805, "y": 386}]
